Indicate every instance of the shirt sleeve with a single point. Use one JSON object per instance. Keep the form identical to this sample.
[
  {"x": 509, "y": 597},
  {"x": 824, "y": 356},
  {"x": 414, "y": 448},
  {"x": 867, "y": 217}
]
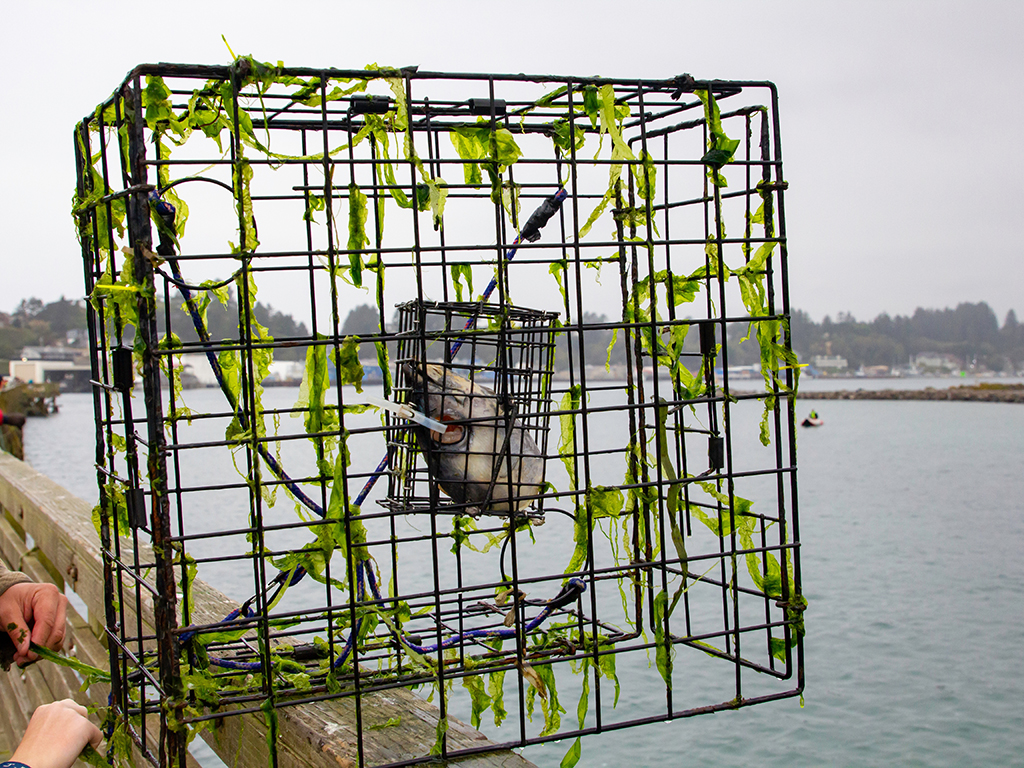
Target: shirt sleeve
[{"x": 10, "y": 578}]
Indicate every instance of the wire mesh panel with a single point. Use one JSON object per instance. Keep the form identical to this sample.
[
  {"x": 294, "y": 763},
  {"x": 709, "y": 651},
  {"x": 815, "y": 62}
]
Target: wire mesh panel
[{"x": 589, "y": 465}]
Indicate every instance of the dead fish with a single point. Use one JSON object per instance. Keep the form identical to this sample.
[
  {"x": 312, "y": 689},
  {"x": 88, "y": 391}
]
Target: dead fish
[{"x": 467, "y": 460}]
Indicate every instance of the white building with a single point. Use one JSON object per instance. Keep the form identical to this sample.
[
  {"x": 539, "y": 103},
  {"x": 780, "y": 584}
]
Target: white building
[
  {"x": 933, "y": 361},
  {"x": 198, "y": 365},
  {"x": 67, "y": 367},
  {"x": 829, "y": 362}
]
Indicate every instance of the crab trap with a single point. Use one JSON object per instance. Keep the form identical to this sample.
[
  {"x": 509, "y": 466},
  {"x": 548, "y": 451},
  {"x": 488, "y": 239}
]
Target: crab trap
[{"x": 498, "y": 421}]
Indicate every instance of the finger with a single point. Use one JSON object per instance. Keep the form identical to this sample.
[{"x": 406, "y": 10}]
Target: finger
[
  {"x": 44, "y": 616},
  {"x": 60, "y": 626},
  {"x": 17, "y": 630},
  {"x": 95, "y": 737},
  {"x": 74, "y": 705}
]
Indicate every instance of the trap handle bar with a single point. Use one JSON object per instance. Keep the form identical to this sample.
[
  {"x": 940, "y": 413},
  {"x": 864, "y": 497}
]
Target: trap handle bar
[{"x": 166, "y": 213}]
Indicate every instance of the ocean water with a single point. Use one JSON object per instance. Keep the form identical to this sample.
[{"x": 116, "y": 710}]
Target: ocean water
[
  {"x": 853, "y": 383},
  {"x": 912, "y": 527}
]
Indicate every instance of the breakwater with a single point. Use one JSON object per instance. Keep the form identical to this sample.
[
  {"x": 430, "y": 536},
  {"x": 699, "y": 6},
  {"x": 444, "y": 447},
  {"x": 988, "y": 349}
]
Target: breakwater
[{"x": 985, "y": 393}]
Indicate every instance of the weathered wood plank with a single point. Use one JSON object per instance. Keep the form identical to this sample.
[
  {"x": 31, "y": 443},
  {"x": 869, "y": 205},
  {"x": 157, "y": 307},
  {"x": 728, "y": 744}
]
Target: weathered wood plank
[
  {"x": 62, "y": 683},
  {"x": 322, "y": 734},
  {"x": 63, "y": 531},
  {"x": 16, "y": 702},
  {"x": 33, "y": 567},
  {"x": 9, "y": 737},
  {"x": 12, "y": 546},
  {"x": 35, "y": 686},
  {"x": 39, "y": 683},
  {"x": 85, "y": 647},
  {"x": 50, "y": 685},
  {"x": 45, "y": 682}
]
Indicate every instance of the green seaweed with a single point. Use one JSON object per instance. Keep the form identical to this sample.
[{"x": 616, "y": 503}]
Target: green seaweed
[
  {"x": 357, "y": 239},
  {"x": 721, "y": 148}
]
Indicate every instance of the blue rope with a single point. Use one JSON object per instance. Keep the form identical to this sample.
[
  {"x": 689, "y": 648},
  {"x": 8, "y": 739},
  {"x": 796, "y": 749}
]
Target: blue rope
[
  {"x": 573, "y": 588},
  {"x": 166, "y": 212}
]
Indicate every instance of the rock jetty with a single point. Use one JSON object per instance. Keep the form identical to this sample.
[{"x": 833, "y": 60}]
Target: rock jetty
[{"x": 984, "y": 393}]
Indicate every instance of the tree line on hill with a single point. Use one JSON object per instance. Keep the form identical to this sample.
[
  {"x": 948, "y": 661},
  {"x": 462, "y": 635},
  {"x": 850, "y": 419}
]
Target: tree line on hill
[
  {"x": 62, "y": 323},
  {"x": 971, "y": 333},
  {"x": 35, "y": 324}
]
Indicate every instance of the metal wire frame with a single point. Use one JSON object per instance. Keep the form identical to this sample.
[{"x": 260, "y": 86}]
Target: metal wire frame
[{"x": 170, "y": 488}]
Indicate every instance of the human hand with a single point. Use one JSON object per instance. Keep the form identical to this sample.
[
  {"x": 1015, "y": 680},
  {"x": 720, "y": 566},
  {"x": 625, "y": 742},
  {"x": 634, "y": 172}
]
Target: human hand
[
  {"x": 40, "y": 606},
  {"x": 56, "y": 736}
]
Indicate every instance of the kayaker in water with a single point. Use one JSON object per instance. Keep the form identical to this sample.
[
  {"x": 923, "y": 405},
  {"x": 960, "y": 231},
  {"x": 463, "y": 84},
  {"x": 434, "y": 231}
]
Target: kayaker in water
[{"x": 813, "y": 420}]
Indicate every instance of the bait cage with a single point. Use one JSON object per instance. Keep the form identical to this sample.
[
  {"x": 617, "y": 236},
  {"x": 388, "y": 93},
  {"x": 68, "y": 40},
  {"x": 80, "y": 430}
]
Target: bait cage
[
  {"x": 503, "y": 382},
  {"x": 654, "y": 546}
]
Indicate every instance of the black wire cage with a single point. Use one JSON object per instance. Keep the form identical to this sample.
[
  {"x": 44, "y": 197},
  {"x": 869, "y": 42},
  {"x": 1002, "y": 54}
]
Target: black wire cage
[{"x": 589, "y": 466}]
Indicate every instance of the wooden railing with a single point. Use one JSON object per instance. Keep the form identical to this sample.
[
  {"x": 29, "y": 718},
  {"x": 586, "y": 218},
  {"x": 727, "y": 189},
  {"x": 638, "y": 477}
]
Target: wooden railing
[{"x": 47, "y": 533}]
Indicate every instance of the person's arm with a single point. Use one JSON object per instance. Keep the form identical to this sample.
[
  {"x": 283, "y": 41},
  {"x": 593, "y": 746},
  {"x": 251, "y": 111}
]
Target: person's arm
[
  {"x": 9, "y": 578},
  {"x": 56, "y": 736},
  {"x": 29, "y": 613}
]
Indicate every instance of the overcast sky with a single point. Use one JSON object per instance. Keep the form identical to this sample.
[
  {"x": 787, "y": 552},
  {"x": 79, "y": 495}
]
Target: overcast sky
[{"x": 901, "y": 121}]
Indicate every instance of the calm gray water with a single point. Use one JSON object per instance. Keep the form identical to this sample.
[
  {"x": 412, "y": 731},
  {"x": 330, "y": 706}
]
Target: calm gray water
[
  {"x": 912, "y": 520},
  {"x": 810, "y": 384}
]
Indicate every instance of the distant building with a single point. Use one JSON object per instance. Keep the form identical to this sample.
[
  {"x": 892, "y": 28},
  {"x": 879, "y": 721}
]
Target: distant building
[
  {"x": 934, "y": 361},
  {"x": 67, "y": 367},
  {"x": 829, "y": 362},
  {"x": 744, "y": 371},
  {"x": 54, "y": 353},
  {"x": 873, "y": 371},
  {"x": 283, "y": 372},
  {"x": 198, "y": 366}
]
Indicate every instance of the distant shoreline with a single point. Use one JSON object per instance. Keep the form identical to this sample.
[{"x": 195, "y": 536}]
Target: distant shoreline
[{"x": 984, "y": 393}]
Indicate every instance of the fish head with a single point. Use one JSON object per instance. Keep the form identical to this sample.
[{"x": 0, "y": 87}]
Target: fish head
[{"x": 451, "y": 398}]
